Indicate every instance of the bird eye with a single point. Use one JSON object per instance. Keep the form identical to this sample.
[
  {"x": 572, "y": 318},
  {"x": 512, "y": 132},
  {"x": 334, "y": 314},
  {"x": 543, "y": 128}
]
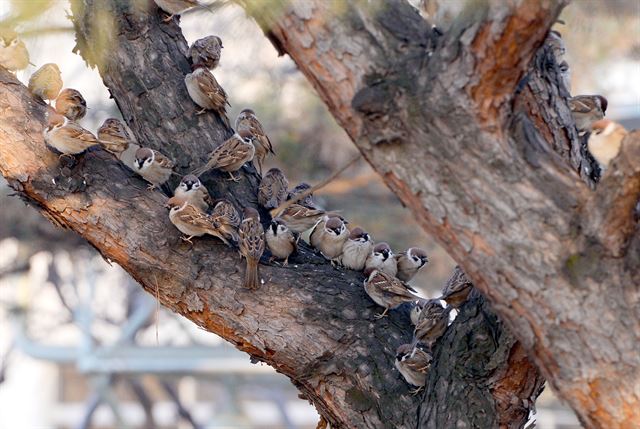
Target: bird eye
[{"x": 196, "y": 185}]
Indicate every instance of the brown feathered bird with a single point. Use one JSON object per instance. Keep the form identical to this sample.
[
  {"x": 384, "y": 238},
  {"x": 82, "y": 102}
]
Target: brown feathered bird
[
  {"x": 71, "y": 104},
  {"x": 457, "y": 289},
  {"x": 46, "y": 82},
  {"x": 251, "y": 246},
  {"x": 206, "y": 51},
  {"x": 230, "y": 156},
  {"x": 273, "y": 189},
  {"x": 387, "y": 291},
  {"x": 206, "y": 92},
  {"x": 248, "y": 126}
]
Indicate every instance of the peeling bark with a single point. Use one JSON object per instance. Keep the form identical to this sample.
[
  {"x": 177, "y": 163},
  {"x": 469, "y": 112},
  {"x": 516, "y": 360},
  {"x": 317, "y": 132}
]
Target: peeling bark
[
  {"x": 475, "y": 137},
  {"x": 309, "y": 321}
]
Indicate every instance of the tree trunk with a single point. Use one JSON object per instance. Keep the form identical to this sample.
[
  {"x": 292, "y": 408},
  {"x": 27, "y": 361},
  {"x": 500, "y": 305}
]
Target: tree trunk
[
  {"x": 314, "y": 323},
  {"x": 472, "y": 131}
]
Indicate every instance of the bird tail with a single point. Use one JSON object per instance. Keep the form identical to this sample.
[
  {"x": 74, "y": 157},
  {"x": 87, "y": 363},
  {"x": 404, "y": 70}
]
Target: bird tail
[
  {"x": 251, "y": 278},
  {"x": 225, "y": 118},
  {"x": 199, "y": 171}
]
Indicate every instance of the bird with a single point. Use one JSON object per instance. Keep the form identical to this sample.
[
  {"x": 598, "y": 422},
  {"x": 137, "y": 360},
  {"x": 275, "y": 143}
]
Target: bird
[
  {"x": 457, "y": 289},
  {"x": 176, "y": 7},
  {"x": 66, "y": 136},
  {"x": 413, "y": 364},
  {"x": 329, "y": 236},
  {"x": 432, "y": 323},
  {"x": 226, "y": 219},
  {"x": 13, "y": 53},
  {"x": 280, "y": 240},
  {"x": 307, "y": 200},
  {"x": 356, "y": 249},
  {"x": 605, "y": 141},
  {"x": 206, "y": 51},
  {"x": 587, "y": 109},
  {"x": 251, "y": 246},
  {"x": 248, "y": 126},
  {"x": 273, "y": 189},
  {"x": 194, "y": 192},
  {"x": 386, "y": 290},
  {"x": 153, "y": 166},
  {"x": 191, "y": 221},
  {"x": 46, "y": 82},
  {"x": 71, "y": 104},
  {"x": 118, "y": 139},
  {"x": 300, "y": 218},
  {"x": 410, "y": 262},
  {"x": 230, "y": 156},
  {"x": 206, "y": 92},
  {"x": 416, "y": 309},
  {"x": 382, "y": 258}
]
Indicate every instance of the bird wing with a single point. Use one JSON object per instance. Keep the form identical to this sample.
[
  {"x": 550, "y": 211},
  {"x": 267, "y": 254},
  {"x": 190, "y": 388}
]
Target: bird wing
[
  {"x": 581, "y": 105},
  {"x": 194, "y": 216},
  {"x": 251, "y": 238},
  {"x": 75, "y": 131},
  {"x": 229, "y": 153},
  {"x": 210, "y": 86},
  {"x": 298, "y": 211},
  {"x": 163, "y": 160},
  {"x": 390, "y": 285}
]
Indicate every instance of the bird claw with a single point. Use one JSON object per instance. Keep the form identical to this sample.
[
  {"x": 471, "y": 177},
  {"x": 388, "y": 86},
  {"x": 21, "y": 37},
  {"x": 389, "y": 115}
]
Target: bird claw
[
  {"x": 187, "y": 239},
  {"x": 201, "y": 112},
  {"x": 168, "y": 18},
  {"x": 415, "y": 391},
  {"x": 233, "y": 178},
  {"x": 381, "y": 315},
  {"x": 151, "y": 187}
]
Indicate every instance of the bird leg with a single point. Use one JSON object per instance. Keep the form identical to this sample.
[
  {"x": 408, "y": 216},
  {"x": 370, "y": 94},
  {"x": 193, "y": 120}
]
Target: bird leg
[
  {"x": 187, "y": 239},
  {"x": 233, "y": 177},
  {"x": 151, "y": 187},
  {"x": 168, "y": 18},
  {"x": 201, "y": 111},
  {"x": 380, "y": 316},
  {"x": 415, "y": 391}
]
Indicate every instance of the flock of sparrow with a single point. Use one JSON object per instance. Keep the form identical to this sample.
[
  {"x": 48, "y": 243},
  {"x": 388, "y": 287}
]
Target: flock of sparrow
[{"x": 195, "y": 213}]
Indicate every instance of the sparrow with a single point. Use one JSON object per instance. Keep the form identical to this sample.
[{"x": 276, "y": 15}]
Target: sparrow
[
  {"x": 206, "y": 51},
  {"x": 206, "y": 92},
  {"x": 414, "y": 315},
  {"x": 46, "y": 82},
  {"x": 300, "y": 218},
  {"x": 382, "y": 258},
  {"x": 71, "y": 104},
  {"x": 387, "y": 291},
  {"x": 66, "y": 136},
  {"x": 307, "y": 200},
  {"x": 251, "y": 246},
  {"x": 280, "y": 240},
  {"x": 457, "y": 289},
  {"x": 226, "y": 218},
  {"x": 13, "y": 53},
  {"x": 191, "y": 221},
  {"x": 413, "y": 363},
  {"x": 587, "y": 109},
  {"x": 329, "y": 236},
  {"x": 153, "y": 166},
  {"x": 410, "y": 262},
  {"x": 118, "y": 139},
  {"x": 273, "y": 189},
  {"x": 176, "y": 7},
  {"x": 432, "y": 323},
  {"x": 605, "y": 141},
  {"x": 230, "y": 156},
  {"x": 248, "y": 126},
  {"x": 194, "y": 192},
  {"x": 356, "y": 249}
]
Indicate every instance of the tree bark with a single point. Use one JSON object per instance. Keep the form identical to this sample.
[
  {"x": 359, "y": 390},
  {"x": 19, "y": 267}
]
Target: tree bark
[
  {"x": 309, "y": 321},
  {"x": 472, "y": 131}
]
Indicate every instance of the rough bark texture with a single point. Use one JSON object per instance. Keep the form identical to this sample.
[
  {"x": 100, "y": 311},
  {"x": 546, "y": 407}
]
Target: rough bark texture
[
  {"x": 475, "y": 136},
  {"x": 309, "y": 321}
]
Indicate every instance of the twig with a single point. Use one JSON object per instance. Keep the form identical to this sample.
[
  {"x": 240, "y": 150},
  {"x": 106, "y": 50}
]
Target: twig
[{"x": 315, "y": 187}]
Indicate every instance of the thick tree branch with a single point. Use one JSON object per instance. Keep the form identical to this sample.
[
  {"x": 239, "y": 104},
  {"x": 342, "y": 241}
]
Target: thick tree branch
[{"x": 491, "y": 171}]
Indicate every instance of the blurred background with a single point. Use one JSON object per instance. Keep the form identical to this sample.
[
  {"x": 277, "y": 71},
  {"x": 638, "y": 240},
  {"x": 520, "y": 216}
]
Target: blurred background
[{"x": 82, "y": 346}]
